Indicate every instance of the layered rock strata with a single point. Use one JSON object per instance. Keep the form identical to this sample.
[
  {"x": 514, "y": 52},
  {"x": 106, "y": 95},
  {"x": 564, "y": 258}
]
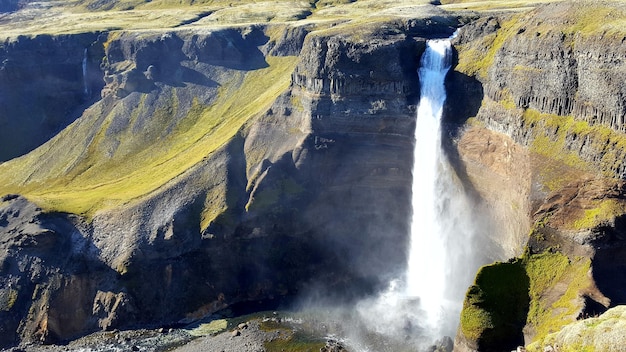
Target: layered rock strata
[
  {"x": 550, "y": 127},
  {"x": 305, "y": 185}
]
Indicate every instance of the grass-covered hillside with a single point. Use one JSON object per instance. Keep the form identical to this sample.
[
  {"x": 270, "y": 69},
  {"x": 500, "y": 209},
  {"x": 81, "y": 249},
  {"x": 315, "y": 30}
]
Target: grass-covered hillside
[{"x": 86, "y": 16}]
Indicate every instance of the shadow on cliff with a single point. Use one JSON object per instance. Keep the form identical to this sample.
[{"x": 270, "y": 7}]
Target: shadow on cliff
[
  {"x": 609, "y": 263},
  {"x": 55, "y": 277},
  {"x": 46, "y": 82},
  {"x": 464, "y": 98}
]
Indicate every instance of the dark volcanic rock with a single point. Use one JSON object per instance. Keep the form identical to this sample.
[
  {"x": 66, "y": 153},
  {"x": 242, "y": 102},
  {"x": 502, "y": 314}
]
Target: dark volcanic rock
[
  {"x": 43, "y": 88},
  {"x": 54, "y": 287},
  {"x": 543, "y": 87}
]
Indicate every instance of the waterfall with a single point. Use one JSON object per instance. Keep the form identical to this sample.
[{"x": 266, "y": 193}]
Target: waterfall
[
  {"x": 84, "y": 66},
  {"x": 427, "y": 256},
  {"x": 425, "y": 304},
  {"x": 441, "y": 263}
]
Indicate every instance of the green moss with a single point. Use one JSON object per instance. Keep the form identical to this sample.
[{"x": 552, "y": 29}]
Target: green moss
[
  {"x": 474, "y": 60},
  {"x": 494, "y": 310},
  {"x": 296, "y": 342},
  {"x": 212, "y": 328},
  {"x": 269, "y": 325},
  {"x": 474, "y": 318},
  {"x": 215, "y": 205},
  {"x": 605, "y": 210},
  {"x": 604, "y": 333},
  {"x": 544, "y": 271},
  {"x": 548, "y": 313},
  {"x": 552, "y": 134},
  {"x": 507, "y": 296},
  {"x": 607, "y": 18}
]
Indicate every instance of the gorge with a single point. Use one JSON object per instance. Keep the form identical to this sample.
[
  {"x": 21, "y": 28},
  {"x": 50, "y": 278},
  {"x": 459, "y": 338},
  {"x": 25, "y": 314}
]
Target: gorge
[{"x": 162, "y": 162}]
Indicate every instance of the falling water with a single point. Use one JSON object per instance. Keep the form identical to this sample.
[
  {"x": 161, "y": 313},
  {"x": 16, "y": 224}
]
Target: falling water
[
  {"x": 426, "y": 277},
  {"x": 84, "y": 66},
  {"x": 441, "y": 263}
]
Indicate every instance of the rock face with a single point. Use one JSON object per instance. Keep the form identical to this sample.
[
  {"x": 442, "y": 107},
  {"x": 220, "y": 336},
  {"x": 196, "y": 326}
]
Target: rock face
[
  {"x": 44, "y": 87},
  {"x": 306, "y": 185},
  {"x": 61, "y": 294},
  {"x": 602, "y": 333},
  {"x": 549, "y": 128}
]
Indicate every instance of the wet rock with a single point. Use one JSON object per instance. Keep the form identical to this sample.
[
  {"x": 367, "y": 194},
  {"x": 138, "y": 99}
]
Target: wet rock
[{"x": 333, "y": 346}]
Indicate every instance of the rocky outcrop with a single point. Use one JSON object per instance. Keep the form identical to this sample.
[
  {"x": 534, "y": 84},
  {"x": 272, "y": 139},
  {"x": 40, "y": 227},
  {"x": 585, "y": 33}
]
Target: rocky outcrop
[
  {"x": 542, "y": 62},
  {"x": 61, "y": 295},
  {"x": 601, "y": 333}
]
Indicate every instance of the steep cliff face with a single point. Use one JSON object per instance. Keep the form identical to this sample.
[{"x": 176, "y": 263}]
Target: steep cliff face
[
  {"x": 549, "y": 128},
  {"x": 217, "y": 167},
  {"x": 46, "y": 82}
]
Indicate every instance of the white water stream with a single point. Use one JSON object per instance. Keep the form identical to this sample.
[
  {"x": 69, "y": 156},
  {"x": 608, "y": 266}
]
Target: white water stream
[{"x": 84, "y": 67}]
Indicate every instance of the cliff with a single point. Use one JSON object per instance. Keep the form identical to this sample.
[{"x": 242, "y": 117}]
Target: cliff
[{"x": 548, "y": 125}]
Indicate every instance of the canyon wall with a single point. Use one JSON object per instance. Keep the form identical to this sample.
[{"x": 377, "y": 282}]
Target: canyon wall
[
  {"x": 211, "y": 168},
  {"x": 549, "y": 128}
]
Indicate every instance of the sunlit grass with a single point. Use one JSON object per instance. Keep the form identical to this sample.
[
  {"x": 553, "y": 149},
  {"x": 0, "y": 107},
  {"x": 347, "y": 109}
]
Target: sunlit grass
[{"x": 492, "y": 5}]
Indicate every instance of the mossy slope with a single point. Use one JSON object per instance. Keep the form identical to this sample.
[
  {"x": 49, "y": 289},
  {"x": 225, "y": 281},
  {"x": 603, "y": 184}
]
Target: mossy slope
[
  {"x": 523, "y": 298},
  {"x": 104, "y": 160},
  {"x": 604, "y": 333}
]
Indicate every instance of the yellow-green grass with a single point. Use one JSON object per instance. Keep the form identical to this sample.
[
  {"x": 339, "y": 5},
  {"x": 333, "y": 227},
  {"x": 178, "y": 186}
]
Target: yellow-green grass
[
  {"x": 85, "y": 181},
  {"x": 84, "y": 16},
  {"x": 70, "y": 22},
  {"x": 546, "y": 271},
  {"x": 552, "y": 142},
  {"x": 296, "y": 342},
  {"x": 602, "y": 334},
  {"x": 493, "y": 5},
  {"x": 213, "y": 327},
  {"x": 580, "y": 18},
  {"x": 495, "y": 305},
  {"x": 594, "y": 17},
  {"x": 8, "y": 297},
  {"x": 476, "y": 58},
  {"x": 604, "y": 210}
]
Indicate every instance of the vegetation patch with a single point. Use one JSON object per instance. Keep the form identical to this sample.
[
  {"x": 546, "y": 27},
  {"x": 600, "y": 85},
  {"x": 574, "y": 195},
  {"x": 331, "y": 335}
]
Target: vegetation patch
[
  {"x": 296, "y": 342},
  {"x": 551, "y": 309},
  {"x": 212, "y": 328},
  {"x": 604, "y": 333},
  {"x": 492, "y": 5},
  {"x": 475, "y": 60},
  {"x": 8, "y": 297},
  {"x": 557, "y": 137},
  {"x": 604, "y": 210},
  {"x": 541, "y": 291},
  {"x": 495, "y": 307}
]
